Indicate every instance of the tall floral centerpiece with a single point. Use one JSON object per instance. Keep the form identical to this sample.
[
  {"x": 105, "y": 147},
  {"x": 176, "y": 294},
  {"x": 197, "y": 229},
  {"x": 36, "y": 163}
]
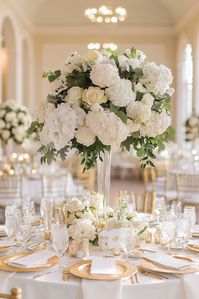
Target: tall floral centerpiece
[
  {"x": 192, "y": 128},
  {"x": 103, "y": 102},
  {"x": 14, "y": 121}
]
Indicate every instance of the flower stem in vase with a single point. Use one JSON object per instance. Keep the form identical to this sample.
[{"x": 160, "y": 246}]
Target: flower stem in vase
[{"x": 104, "y": 178}]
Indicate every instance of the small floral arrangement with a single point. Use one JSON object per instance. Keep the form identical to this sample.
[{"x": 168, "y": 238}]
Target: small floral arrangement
[
  {"x": 81, "y": 217},
  {"x": 192, "y": 128},
  {"x": 14, "y": 121},
  {"x": 102, "y": 102}
]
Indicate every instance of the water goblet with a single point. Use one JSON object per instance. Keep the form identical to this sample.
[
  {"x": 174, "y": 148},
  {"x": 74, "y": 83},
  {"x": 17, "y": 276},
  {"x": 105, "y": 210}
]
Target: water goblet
[
  {"x": 60, "y": 240},
  {"x": 190, "y": 212},
  {"x": 168, "y": 227},
  {"x": 176, "y": 208},
  {"x": 183, "y": 230},
  {"x": 12, "y": 228}
]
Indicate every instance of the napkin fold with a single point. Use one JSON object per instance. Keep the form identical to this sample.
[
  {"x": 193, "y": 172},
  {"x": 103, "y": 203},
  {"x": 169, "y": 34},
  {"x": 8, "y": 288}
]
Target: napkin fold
[
  {"x": 103, "y": 266},
  {"x": 37, "y": 258},
  {"x": 168, "y": 262},
  {"x": 194, "y": 243}
]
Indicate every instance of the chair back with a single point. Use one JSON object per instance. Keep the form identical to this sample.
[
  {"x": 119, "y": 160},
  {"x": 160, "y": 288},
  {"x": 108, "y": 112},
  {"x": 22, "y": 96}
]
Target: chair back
[
  {"x": 187, "y": 183},
  {"x": 15, "y": 293},
  {"x": 10, "y": 189},
  {"x": 54, "y": 185}
]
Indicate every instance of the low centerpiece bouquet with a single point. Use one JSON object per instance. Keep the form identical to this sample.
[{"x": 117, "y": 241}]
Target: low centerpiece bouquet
[
  {"x": 192, "y": 128},
  {"x": 105, "y": 101},
  {"x": 14, "y": 121}
]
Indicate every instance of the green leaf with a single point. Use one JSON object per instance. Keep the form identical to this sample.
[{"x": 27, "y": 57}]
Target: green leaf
[
  {"x": 52, "y": 75},
  {"x": 113, "y": 108},
  {"x": 122, "y": 116}
]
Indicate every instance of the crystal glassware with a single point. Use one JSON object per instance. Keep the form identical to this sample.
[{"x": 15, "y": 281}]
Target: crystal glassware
[
  {"x": 159, "y": 207},
  {"x": 183, "y": 230},
  {"x": 12, "y": 223},
  {"x": 60, "y": 240},
  {"x": 190, "y": 212},
  {"x": 176, "y": 208},
  {"x": 168, "y": 228}
]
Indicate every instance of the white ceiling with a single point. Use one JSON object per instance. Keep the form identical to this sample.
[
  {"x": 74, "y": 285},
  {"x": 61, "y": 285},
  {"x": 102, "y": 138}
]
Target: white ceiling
[{"x": 71, "y": 12}]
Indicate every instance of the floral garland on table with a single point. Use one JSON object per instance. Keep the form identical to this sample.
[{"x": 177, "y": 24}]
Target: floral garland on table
[
  {"x": 192, "y": 128},
  {"x": 14, "y": 121},
  {"x": 105, "y": 101}
]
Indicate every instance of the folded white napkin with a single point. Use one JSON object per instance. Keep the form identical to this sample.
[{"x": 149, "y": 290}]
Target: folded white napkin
[
  {"x": 103, "y": 266},
  {"x": 5, "y": 243},
  {"x": 167, "y": 261},
  {"x": 37, "y": 258}
]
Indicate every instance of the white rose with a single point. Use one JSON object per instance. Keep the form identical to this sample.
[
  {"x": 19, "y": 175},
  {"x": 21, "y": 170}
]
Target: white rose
[
  {"x": 121, "y": 93},
  {"x": 19, "y": 133},
  {"x": 156, "y": 125},
  {"x": 5, "y": 134},
  {"x": 94, "y": 95},
  {"x": 104, "y": 75},
  {"x": 10, "y": 116},
  {"x": 20, "y": 115},
  {"x": 74, "y": 96},
  {"x": 2, "y": 124},
  {"x": 85, "y": 136},
  {"x": 95, "y": 56}
]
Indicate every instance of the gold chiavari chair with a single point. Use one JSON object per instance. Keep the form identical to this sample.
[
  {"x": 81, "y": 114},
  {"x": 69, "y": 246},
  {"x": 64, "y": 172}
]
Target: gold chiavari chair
[
  {"x": 188, "y": 187},
  {"x": 149, "y": 201},
  {"x": 15, "y": 293},
  {"x": 149, "y": 177},
  {"x": 86, "y": 179},
  {"x": 10, "y": 192}
]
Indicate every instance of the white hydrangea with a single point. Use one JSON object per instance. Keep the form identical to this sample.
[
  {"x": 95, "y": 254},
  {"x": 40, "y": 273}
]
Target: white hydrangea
[
  {"x": 121, "y": 93},
  {"x": 156, "y": 79},
  {"x": 107, "y": 127},
  {"x": 19, "y": 133},
  {"x": 74, "y": 96},
  {"x": 2, "y": 124},
  {"x": 133, "y": 125},
  {"x": 74, "y": 205},
  {"x": 94, "y": 95},
  {"x": 81, "y": 116},
  {"x": 139, "y": 111},
  {"x": 75, "y": 59},
  {"x": 156, "y": 125},
  {"x": 61, "y": 124},
  {"x": 85, "y": 136},
  {"x": 140, "y": 88},
  {"x": 104, "y": 75},
  {"x": 10, "y": 116}
]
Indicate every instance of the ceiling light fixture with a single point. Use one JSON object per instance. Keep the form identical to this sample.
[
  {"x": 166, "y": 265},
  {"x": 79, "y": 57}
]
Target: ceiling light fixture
[
  {"x": 106, "y": 14},
  {"x": 97, "y": 46}
]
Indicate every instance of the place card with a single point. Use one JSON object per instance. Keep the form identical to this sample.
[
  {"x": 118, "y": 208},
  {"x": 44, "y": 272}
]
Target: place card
[{"x": 103, "y": 266}]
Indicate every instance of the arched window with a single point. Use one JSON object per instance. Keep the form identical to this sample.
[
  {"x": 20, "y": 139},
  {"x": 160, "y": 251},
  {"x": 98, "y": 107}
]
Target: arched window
[{"x": 188, "y": 81}]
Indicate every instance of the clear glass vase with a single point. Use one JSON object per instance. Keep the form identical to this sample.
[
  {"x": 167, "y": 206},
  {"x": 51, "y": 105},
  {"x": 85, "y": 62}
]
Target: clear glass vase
[{"x": 104, "y": 179}]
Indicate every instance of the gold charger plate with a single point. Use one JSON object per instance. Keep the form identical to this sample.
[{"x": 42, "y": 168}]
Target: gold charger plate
[
  {"x": 82, "y": 269},
  {"x": 193, "y": 248},
  {"x": 147, "y": 265},
  {"x": 4, "y": 266},
  {"x": 2, "y": 234}
]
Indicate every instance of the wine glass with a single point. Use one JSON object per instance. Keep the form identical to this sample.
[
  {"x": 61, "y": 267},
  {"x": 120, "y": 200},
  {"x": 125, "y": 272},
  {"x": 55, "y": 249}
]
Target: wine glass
[
  {"x": 10, "y": 208},
  {"x": 159, "y": 207},
  {"x": 60, "y": 240},
  {"x": 168, "y": 228},
  {"x": 12, "y": 227},
  {"x": 190, "y": 212},
  {"x": 176, "y": 208},
  {"x": 183, "y": 230}
]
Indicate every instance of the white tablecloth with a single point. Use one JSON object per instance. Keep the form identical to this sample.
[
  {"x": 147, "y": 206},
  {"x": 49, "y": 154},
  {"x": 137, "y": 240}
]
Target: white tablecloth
[{"x": 52, "y": 286}]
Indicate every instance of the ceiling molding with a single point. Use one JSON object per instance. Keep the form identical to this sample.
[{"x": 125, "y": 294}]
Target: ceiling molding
[
  {"x": 191, "y": 13},
  {"x": 103, "y": 30}
]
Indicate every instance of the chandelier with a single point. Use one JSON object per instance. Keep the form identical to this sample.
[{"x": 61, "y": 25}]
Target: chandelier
[
  {"x": 106, "y": 14},
  {"x": 97, "y": 46}
]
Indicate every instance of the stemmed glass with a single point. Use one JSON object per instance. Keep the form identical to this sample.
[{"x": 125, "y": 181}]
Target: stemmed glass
[
  {"x": 12, "y": 227},
  {"x": 159, "y": 207},
  {"x": 168, "y": 228},
  {"x": 60, "y": 240}
]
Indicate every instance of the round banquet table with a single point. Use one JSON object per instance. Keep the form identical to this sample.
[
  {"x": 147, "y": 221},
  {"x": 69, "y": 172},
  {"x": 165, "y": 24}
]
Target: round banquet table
[{"x": 52, "y": 286}]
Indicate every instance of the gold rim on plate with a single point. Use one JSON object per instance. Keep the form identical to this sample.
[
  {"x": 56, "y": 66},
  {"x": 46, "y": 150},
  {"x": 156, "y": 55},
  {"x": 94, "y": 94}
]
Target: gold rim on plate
[
  {"x": 147, "y": 265},
  {"x": 193, "y": 248},
  {"x": 82, "y": 269},
  {"x": 4, "y": 266}
]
